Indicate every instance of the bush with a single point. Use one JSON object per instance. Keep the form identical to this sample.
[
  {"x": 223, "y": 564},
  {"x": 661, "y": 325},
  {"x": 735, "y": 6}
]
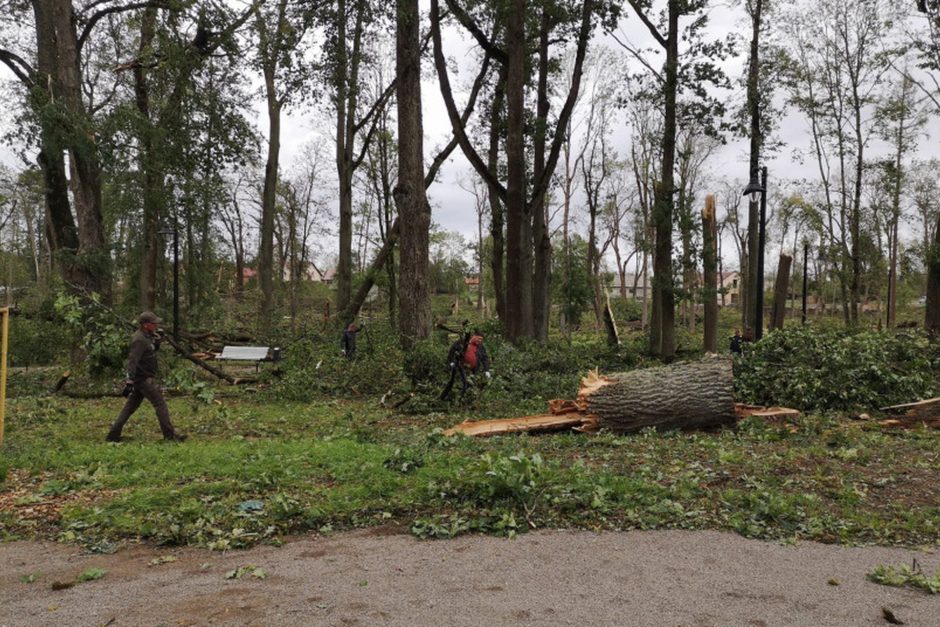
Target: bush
[
  {"x": 316, "y": 367},
  {"x": 38, "y": 342},
  {"x": 816, "y": 369}
]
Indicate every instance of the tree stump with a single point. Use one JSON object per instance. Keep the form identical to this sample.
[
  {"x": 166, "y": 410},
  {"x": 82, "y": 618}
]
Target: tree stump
[{"x": 691, "y": 395}]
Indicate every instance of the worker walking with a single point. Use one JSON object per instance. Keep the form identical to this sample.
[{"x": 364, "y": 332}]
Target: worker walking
[{"x": 141, "y": 380}]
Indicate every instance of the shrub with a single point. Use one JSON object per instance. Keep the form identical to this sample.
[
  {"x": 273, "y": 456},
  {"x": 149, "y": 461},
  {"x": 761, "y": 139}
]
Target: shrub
[
  {"x": 316, "y": 367},
  {"x": 816, "y": 369},
  {"x": 37, "y": 342}
]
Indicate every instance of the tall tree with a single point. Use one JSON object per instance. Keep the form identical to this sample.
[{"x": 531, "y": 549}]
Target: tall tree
[
  {"x": 349, "y": 24},
  {"x": 410, "y": 197},
  {"x": 900, "y": 122},
  {"x": 521, "y": 199},
  {"x": 674, "y": 76},
  {"x": 835, "y": 73},
  {"x": 281, "y": 59},
  {"x": 753, "y": 283},
  {"x": 66, "y": 125}
]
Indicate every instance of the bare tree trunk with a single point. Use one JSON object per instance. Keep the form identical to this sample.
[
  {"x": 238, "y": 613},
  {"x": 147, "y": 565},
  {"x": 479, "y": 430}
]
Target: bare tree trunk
[
  {"x": 410, "y": 197},
  {"x": 709, "y": 262},
  {"x": 149, "y": 165},
  {"x": 751, "y": 318},
  {"x": 541, "y": 297},
  {"x": 663, "y": 331},
  {"x": 58, "y": 71},
  {"x": 518, "y": 229},
  {"x": 496, "y": 207},
  {"x": 480, "y": 263},
  {"x": 779, "y": 310},
  {"x": 268, "y": 202},
  {"x": 932, "y": 314}
]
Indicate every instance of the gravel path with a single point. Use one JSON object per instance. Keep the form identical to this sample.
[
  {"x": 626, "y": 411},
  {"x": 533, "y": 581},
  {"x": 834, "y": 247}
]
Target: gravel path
[{"x": 545, "y": 578}]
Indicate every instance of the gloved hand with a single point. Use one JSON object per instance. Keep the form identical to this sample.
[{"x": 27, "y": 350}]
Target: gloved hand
[
  {"x": 452, "y": 365},
  {"x": 128, "y": 388},
  {"x": 488, "y": 375}
]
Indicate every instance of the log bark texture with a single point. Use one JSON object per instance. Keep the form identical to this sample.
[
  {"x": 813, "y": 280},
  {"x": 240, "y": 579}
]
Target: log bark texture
[
  {"x": 690, "y": 395},
  {"x": 781, "y": 289},
  {"x": 710, "y": 274}
]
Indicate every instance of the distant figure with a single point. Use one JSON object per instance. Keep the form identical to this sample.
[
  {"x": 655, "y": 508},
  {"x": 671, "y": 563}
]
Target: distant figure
[
  {"x": 349, "y": 340},
  {"x": 737, "y": 343},
  {"x": 466, "y": 356},
  {"x": 141, "y": 380}
]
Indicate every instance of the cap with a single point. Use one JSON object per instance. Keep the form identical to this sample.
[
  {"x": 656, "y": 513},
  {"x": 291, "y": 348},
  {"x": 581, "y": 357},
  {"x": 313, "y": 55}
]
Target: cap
[{"x": 148, "y": 316}]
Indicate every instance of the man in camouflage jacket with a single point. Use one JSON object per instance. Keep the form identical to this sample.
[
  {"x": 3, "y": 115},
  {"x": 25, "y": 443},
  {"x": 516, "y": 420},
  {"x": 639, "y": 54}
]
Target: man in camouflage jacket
[{"x": 142, "y": 380}]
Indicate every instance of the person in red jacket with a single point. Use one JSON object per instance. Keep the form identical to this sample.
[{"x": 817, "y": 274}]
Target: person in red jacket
[{"x": 466, "y": 356}]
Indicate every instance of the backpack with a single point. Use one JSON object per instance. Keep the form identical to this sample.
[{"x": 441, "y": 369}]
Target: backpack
[{"x": 470, "y": 356}]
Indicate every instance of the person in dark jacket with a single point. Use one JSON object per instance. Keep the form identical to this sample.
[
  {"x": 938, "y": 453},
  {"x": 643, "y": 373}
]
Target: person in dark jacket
[
  {"x": 737, "y": 343},
  {"x": 466, "y": 356},
  {"x": 141, "y": 380},
  {"x": 348, "y": 342}
]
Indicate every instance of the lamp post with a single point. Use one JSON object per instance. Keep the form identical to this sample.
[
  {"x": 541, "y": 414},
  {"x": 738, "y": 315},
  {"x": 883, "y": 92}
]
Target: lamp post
[
  {"x": 757, "y": 191},
  {"x": 176, "y": 277},
  {"x": 805, "y": 265}
]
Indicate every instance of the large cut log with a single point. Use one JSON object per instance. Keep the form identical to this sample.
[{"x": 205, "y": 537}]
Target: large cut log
[{"x": 691, "y": 395}]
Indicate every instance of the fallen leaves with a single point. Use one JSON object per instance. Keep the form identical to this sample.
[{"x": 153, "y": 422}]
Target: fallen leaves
[
  {"x": 249, "y": 569},
  {"x": 163, "y": 559}
]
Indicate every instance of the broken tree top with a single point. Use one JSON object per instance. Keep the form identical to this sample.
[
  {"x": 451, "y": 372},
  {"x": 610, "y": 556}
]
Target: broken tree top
[{"x": 690, "y": 395}]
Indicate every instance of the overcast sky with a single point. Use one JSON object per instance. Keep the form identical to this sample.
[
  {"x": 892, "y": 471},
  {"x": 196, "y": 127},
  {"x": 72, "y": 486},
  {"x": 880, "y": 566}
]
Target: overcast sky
[{"x": 453, "y": 207}]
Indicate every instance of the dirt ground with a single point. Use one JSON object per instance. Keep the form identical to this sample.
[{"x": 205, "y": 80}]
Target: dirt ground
[{"x": 547, "y": 578}]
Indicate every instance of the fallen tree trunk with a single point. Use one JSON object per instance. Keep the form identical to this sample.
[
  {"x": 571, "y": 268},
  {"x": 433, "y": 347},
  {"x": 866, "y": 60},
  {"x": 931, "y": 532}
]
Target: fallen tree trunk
[
  {"x": 925, "y": 412},
  {"x": 199, "y": 362},
  {"x": 691, "y": 395}
]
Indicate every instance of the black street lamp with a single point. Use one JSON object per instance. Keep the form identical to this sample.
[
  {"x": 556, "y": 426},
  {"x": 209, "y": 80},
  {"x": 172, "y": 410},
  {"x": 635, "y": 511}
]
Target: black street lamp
[
  {"x": 169, "y": 230},
  {"x": 757, "y": 191}
]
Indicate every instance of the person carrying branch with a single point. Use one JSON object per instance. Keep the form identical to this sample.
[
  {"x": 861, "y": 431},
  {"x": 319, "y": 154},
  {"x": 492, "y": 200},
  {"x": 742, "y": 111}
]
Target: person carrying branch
[
  {"x": 467, "y": 356},
  {"x": 141, "y": 380}
]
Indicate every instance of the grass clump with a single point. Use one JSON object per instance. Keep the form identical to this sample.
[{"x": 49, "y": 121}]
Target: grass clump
[{"x": 906, "y": 576}]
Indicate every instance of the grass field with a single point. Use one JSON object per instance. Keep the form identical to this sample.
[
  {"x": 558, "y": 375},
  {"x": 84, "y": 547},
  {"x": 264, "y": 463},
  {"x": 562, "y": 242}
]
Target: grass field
[{"x": 256, "y": 470}]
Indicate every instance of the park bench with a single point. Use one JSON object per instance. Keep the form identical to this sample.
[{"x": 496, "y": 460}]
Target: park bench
[{"x": 255, "y": 354}]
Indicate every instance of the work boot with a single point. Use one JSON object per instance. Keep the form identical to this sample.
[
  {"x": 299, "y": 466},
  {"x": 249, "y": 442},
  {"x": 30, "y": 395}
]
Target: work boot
[
  {"x": 114, "y": 438},
  {"x": 179, "y": 437}
]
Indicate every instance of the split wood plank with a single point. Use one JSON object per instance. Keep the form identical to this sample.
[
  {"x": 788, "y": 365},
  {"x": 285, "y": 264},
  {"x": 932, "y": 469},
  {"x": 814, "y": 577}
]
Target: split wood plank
[{"x": 542, "y": 422}]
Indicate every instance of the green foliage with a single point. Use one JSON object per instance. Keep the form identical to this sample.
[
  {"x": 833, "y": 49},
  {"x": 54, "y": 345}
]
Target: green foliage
[
  {"x": 103, "y": 339},
  {"x": 906, "y": 576},
  {"x": 183, "y": 377},
  {"x": 35, "y": 341},
  {"x": 572, "y": 285},
  {"x": 817, "y": 369},
  {"x": 315, "y": 367},
  {"x": 91, "y": 574}
]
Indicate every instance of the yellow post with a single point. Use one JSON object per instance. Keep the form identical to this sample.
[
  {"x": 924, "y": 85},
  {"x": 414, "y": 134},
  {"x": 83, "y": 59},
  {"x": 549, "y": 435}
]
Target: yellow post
[{"x": 5, "y": 313}]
